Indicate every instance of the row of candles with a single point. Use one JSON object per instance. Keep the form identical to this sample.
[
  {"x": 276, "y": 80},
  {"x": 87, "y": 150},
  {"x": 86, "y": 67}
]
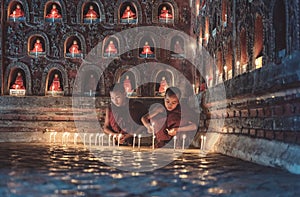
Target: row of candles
[{"x": 99, "y": 139}]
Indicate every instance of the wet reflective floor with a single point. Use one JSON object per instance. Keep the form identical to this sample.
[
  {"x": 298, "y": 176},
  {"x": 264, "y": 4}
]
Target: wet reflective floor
[{"x": 48, "y": 170}]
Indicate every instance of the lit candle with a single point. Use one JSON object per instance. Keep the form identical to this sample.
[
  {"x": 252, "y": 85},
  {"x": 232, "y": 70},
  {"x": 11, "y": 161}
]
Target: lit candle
[
  {"x": 14, "y": 16},
  {"x": 114, "y": 137},
  {"x": 96, "y": 138},
  {"x": 109, "y": 48},
  {"x": 153, "y": 141},
  {"x": 166, "y": 17},
  {"x": 84, "y": 135},
  {"x": 91, "y": 18},
  {"x": 90, "y": 139},
  {"x": 238, "y": 67},
  {"x": 225, "y": 70},
  {"x": 90, "y": 92},
  {"x": 109, "y": 136},
  {"x": 146, "y": 52},
  {"x": 201, "y": 146},
  {"x": 54, "y": 137},
  {"x": 128, "y": 15},
  {"x": 119, "y": 138},
  {"x": 73, "y": 51},
  {"x": 197, "y": 9},
  {"x": 175, "y": 138},
  {"x": 194, "y": 88},
  {"x": 204, "y": 142},
  {"x": 133, "y": 144},
  {"x": 102, "y": 139},
  {"x": 139, "y": 142},
  {"x": 75, "y": 138},
  {"x": 183, "y": 141},
  {"x": 36, "y": 48}
]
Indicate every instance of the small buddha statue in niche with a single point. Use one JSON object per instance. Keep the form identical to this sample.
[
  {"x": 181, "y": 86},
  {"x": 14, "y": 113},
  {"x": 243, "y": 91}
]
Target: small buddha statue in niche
[
  {"x": 55, "y": 85},
  {"x": 127, "y": 85},
  {"x": 111, "y": 49},
  {"x": 18, "y": 84},
  {"x": 92, "y": 84},
  {"x": 18, "y": 12},
  {"x": 74, "y": 48},
  {"x": 164, "y": 14},
  {"x": 162, "y": 86},
  {"x": 38, "y": 47},
  {"x": 54, "y": 13},
  {"x": 147, "y": 51},
  {"x": 91, "y": 13},
  {"x": 128, "y": 14},
  {"x": 177, "y": 48}
]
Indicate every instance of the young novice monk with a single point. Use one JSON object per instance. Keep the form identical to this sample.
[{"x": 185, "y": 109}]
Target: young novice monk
[
  {"x": 123, "y": 116},
  {"x": 165, "y": 121}
]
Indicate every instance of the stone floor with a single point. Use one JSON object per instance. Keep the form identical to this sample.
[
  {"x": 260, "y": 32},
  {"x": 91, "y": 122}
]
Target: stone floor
[{"x": 48, "y": 170}]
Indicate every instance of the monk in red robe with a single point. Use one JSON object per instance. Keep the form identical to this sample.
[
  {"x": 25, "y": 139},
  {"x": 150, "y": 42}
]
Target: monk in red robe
[
  {"x": 111, "y": 48},
  {"x": 54, "y": 13},
  {"x": 169, "y": 119},
  {"x": 91, "y": 13},
  {"x": 147, "y": 49},
  {"x": 38, "y": 47},
  {"x": 19, "y": 85},
  {"x": 18, "y": 12},
  {"x": 74, "y": 48},
  {"x": 128, "y": 14},
  {"x": 164, "y": 13},
  {"x": 55, "y": 86}
]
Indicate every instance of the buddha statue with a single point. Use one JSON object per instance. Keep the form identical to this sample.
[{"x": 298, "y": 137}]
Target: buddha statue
[
  {"x": 74, "y": 48},
  {"x": 92, "y": 84},
  {"x": 91, "y": 13},
  {"x": 54, "y": 13},
  {"x": 18, "y": 12},
  {"x": 127, "y": 85},
  {"x": 146, "y": 51},
  {"x": 177, "y": 48},
  {"x": 38, "y": 47},
  {"x": 111, "y": 49},
  {"x": 164, "y": 14},
  {"x": 55, "y": 85},
  {"x": 18, "y": 84},
  {"x": 128, "y": 14},
  {"x": 162, "y": 86}
]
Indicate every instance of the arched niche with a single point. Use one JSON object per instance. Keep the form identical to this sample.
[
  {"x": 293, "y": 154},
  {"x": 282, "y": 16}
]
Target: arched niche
[
  {"x": 73, "y": 47},
  {"x": 89, "y": 80},
  {"x": 147, "y": 47},
  {"x": 165, "y": 13},
  {"x": 111, "y": 47},
  {"x": 244, "y": 53},
  {"x": 36, "y": 45},
  {"x": 279, "y": 23},
  {"x": 47, "y": 78},
  {"x": 54, "y": 83},
  {"x": 90, "y": 13},
  {"x": 17, "y": 11},
  {"x": 84, "y": 6},
  {"x": 128, "y": 12},
  {"x": 53, "y": 12},
  {"x": 177, "y": 46},
  {"x": 258, "y": 42},
  {"x": 171, "y": 6},
  {"x": 128, "y": 79},
  {"x": 163, "y": 79},
  {"x": 11, "y": 74}
]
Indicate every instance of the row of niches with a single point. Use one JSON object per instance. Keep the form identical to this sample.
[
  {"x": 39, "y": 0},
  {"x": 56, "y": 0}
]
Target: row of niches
[
  {"x": 92, "y": 12},
  {"x": 91, "y": 83},
  {"x": 111, "y": 47}
]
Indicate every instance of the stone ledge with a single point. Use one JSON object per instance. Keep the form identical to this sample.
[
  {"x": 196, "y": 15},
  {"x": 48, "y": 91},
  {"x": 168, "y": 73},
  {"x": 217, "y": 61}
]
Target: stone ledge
[{"x": 261, "y": 151}]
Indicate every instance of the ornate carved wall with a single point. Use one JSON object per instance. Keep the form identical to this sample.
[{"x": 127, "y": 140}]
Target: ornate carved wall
[{"x": 56, "y": 35}]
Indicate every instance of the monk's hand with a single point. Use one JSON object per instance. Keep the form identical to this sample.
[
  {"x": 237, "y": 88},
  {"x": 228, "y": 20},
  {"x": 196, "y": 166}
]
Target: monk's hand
[
  {"x": 150, "y": 129},
  {"x": 172, "y": 132}
]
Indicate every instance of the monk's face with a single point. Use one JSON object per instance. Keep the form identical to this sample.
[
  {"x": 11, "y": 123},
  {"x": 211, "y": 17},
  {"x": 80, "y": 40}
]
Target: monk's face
[
  {"x": 171, "y": 102},
  {"x": 117, "y": 98}
]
